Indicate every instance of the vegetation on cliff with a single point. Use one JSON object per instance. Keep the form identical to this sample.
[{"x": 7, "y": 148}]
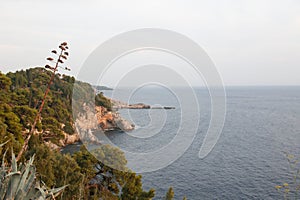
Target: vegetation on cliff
[{"x": 86, "y": 177}]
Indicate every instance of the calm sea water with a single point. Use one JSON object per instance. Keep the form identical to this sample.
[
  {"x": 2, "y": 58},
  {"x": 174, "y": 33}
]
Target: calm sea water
[{"x": 248, "y": 160}]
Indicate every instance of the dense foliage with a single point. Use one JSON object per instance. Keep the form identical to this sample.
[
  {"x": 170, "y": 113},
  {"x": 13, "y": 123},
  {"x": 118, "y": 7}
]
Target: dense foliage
[
  {"x": 21, "y": 95},
  {"x": 101, "y": 100},
  {"x": 87, "y": 178}
]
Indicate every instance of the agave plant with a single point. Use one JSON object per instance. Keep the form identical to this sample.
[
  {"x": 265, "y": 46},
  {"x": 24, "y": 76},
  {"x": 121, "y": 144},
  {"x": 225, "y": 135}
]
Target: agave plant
[{"x": 19, "y": 182}]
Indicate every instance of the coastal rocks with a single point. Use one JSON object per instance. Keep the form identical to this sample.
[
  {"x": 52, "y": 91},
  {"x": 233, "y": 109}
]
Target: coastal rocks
[
  {"x": 88, "y": 119},
  {"x": 108, "y": 120},
  {"x": 88, "y": 136},
  {"x": 124, "y": 124},
  {"x": 121, "y": 105},
  {"x": 86, "y": 122},
  {"x": 138, "y": 106},
  {"x": 70, "y": 139},
  {"x": 99, "y": 118},
  {"x": 163, "y": 107},
  {"x": 132, "y": 106},
  {"x": 93, "y": 118}
]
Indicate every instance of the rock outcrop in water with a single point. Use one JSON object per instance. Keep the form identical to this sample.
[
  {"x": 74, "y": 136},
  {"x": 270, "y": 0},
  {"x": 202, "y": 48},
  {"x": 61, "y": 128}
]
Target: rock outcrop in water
[{"x": 121, "y": 105}]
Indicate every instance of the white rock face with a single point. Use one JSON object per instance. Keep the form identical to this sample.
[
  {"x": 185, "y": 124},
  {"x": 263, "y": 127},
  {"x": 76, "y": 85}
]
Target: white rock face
[
  {"x": 98, "y": 118},
  {"x": 124, "y": 124}
]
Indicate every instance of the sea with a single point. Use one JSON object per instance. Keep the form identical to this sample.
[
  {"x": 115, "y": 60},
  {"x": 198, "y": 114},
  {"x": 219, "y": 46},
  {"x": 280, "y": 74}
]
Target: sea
[{"x": 262, "y": 125}]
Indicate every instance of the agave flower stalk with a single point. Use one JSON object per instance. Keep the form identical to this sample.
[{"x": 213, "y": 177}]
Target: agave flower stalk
[{"x": 62, "y": 55}]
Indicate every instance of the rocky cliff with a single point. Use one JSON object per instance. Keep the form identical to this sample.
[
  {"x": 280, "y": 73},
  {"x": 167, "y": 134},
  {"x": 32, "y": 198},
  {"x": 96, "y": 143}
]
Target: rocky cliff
[{"x": 108, "y": 120}]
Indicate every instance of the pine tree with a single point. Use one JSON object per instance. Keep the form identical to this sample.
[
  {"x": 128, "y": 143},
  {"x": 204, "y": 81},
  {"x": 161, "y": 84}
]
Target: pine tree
[{"x": 170, "y": 194}]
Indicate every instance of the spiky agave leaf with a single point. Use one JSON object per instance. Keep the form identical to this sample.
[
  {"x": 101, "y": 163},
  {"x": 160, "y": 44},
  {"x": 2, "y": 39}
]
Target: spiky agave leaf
[
  {"x": 3, "y": 171},
  {"x": 30, "y": 180},
  {"x": 34, "y": 193},
  {"x": 3, "y": 181},
  {"x": 19, "y": 182},
  {"x": 25, "y": 173},
  {"x": 55, "y": 191},
  {"x": 14, "y": 178},
  {"x": 1, "y": 145},
  {"x": 14, "y": 165}
]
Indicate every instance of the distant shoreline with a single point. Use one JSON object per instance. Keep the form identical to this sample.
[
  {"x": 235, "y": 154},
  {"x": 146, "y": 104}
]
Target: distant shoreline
[{"x": 100, "y": 87}]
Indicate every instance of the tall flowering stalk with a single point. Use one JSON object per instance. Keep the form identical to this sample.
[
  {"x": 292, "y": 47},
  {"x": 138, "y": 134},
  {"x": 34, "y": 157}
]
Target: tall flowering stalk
[{"x": 62, "y": 55}]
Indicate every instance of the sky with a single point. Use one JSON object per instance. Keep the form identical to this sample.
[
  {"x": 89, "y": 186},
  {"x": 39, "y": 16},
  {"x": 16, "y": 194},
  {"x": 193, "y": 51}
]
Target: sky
[{"x": 251, "y": 42}]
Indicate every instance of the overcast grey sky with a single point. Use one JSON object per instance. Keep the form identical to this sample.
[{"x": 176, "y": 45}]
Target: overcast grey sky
[{"x": 252, "y": 42}]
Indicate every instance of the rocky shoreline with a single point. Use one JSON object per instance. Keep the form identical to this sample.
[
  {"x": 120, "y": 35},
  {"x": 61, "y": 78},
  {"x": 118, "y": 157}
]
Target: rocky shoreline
[{"x": 100, "y": 118}]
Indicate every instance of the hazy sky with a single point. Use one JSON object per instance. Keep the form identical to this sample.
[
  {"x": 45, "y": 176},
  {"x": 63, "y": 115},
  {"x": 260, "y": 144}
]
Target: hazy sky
[{"x": 252, "y": 42}]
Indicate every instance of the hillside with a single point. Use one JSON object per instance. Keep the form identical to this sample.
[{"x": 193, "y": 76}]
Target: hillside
[
  {"x": 86, "y": 177},
  {"x": 23, "y": 93}
]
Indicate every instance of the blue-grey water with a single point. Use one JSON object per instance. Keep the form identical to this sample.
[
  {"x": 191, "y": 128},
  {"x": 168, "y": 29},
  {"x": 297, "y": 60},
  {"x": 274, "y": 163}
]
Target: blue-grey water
[{"x": 248, "y": 160}]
